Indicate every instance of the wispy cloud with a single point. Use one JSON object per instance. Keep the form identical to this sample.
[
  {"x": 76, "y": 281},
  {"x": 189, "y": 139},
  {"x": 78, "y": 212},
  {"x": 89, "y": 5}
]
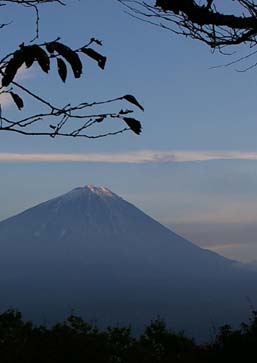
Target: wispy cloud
[
  {"x": 25, "y": 73},
  {"x": 143, "y": 156},
  {"x": 5, "y": 100},
  {"x": 22, "y": 74}
]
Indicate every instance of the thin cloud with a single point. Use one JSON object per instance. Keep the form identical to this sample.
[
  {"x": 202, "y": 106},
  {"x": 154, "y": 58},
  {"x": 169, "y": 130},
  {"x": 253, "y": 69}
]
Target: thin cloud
[
  {"x": 144, "y": 156},
  {"x": 25, "y": 73},
  {"x": 22, "y": 74},
  {"x": 6, "y": 100}
]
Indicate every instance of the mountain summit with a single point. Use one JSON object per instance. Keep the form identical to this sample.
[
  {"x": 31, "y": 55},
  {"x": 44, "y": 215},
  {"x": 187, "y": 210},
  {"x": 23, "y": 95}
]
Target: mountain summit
[
  {"x": 91, "y": 251},
  {"x": 89, "y": 189}
]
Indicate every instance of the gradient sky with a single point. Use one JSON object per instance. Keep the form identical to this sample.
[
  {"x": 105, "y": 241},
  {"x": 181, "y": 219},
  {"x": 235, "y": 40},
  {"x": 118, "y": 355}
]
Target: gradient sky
[{"x": 194, "y": 168}]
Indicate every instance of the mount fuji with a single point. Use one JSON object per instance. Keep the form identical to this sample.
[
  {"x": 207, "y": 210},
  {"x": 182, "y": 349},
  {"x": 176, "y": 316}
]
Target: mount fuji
[{"x": 92, "y": 252}]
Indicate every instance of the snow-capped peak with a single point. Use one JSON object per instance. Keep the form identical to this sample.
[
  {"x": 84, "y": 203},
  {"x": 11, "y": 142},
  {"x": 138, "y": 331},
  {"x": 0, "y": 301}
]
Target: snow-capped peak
[{"x": 84, "y": 193}]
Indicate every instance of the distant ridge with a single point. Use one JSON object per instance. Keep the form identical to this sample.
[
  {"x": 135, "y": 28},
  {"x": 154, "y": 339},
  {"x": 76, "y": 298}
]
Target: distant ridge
[{"x": 92, "y": 251}]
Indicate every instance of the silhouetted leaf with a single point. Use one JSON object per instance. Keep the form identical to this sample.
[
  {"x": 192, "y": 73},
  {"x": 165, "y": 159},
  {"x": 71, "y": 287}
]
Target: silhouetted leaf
[
  {"x": 42, "y": 58},
  {"x": 98, "y": 42},
  {"x": 134, "y": 124},
  {"x": 18, "y": 100},
  {"x": 99, "y": 119},
  {"x": 70, "y": 56},
  {"x": 101, "y": 60},
  {"x": 12, "y": 67},
  {"x": 29, "y": 57},
  {"x": 62, "y": 69},
  {"x": 35, "y": 53},
  {"x": 133, "y": 100},
  {"x": 50, "y": 47}
]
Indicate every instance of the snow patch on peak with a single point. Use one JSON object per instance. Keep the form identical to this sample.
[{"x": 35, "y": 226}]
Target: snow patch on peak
[
  {"x": 101, "y": 191},
  {"x": 92, "y": 188}
]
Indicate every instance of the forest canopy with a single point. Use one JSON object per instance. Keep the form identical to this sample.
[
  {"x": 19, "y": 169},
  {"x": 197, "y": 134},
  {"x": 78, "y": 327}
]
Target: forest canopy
[{"x": 74, "y": 340}]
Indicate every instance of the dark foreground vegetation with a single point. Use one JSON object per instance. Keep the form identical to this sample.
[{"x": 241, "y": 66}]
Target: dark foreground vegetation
[{"x": 77, "y": 341}]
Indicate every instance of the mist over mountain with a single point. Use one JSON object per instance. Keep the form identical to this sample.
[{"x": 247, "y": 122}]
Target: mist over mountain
[
  {"x": 234, "y": 240},
  {"x": 92, "y": 252}
]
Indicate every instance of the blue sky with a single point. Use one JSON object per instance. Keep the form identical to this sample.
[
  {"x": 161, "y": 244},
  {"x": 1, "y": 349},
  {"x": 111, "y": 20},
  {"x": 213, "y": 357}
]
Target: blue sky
[{"x": 193, "y": 114}]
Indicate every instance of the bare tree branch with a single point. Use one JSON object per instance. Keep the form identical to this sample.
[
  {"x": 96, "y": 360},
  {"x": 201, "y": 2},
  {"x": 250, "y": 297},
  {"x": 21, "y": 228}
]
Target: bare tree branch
[
  {"x": 201, "y": 20},
  {"x": 66, "y": 120}
]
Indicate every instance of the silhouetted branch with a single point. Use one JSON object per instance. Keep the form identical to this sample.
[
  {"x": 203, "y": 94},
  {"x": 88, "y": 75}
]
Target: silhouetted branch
[
  {"x": 68, "y": 120},
  {"x": 34, "y": 4},
  {"x": 202, "y": 21},
  {"x": 58, "y": 121}
]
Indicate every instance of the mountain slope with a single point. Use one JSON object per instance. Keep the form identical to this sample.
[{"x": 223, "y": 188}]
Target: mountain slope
[{"x": 92, "y": 251}]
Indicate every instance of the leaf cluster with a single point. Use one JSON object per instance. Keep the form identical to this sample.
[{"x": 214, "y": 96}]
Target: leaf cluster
[
  {"x": 65, "y": 58},
  {"x": 42, "y": 55}
]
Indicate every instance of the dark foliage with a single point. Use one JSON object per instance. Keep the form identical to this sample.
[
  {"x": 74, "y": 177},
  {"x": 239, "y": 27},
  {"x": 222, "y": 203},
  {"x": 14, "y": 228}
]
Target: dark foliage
[{"x": 77, "y": 341}]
